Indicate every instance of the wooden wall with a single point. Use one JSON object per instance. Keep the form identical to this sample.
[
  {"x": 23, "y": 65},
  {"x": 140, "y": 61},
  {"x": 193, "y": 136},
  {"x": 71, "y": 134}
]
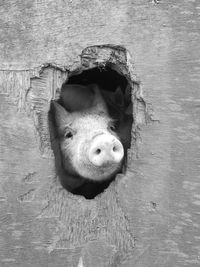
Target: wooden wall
[{"x": 150, "y": 216}]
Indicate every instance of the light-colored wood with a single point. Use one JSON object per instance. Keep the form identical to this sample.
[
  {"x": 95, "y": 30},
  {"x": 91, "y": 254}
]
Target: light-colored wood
[{"x": 150, "y": 216}]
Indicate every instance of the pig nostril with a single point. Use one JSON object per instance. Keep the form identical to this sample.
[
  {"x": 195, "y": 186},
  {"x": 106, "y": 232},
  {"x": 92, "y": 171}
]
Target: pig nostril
[
  {"x": 98, "y": 151},
  {"x": 114, "y": 149}
]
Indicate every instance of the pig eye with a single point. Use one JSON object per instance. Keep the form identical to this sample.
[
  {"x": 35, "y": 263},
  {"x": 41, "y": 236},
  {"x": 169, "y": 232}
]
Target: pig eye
[
  {"x": 112, "y": 127},
  {"x": 68, "y": 133}
]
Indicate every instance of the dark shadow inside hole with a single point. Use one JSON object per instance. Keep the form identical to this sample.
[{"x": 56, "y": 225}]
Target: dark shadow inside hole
[
  {"x": 116, "y": 93},
  {"x": 107, "y": 78}
]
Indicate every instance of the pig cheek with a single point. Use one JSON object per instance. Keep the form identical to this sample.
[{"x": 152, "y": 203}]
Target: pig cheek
[
  {"x": 80, "y": 158},
  {"x": 67, "y": 155},
  {"x": 74, "y": 156}
]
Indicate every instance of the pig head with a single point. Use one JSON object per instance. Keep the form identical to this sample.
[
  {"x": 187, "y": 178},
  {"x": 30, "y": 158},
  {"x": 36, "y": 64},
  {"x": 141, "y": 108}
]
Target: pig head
[{"x": 89, "y": 145}]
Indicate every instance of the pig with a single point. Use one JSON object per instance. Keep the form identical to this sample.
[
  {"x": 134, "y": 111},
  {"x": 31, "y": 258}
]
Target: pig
[{"x": 90, "y": 147}]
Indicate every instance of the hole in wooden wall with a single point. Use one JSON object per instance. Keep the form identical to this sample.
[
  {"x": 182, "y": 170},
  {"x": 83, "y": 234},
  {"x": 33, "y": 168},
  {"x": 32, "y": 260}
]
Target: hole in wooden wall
[{"x": 116, "y": 93}]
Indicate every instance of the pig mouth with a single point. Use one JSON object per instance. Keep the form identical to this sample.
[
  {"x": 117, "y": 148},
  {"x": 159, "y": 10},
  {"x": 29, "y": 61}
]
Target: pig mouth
[
  {"x": 104, "y": 172},
  {"x": 107, "y": 166},
  {"x": 107, "y": 170}
]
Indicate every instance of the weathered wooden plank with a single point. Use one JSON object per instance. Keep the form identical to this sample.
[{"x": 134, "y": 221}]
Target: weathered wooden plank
[{"x": 158, "y": 200}]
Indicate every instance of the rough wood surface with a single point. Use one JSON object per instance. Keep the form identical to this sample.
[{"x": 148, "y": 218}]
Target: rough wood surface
[{"x": 150, "y": 217}]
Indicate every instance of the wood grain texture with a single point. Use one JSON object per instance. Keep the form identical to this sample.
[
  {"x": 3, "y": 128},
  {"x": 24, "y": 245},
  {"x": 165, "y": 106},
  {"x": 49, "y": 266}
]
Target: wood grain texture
[{"x": 150, "y": 217}]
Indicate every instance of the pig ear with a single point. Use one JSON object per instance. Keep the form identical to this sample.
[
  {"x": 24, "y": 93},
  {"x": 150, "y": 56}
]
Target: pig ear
[
  {"x": 99, "y": 105},
  {"x": 129, "y": 109},
  {"x": 119, "y": 97},
  {"x": 128, "y": 94},
  {"x": 62, "y": 116}
]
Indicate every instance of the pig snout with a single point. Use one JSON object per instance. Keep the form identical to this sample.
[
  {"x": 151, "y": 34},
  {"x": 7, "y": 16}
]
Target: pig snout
[{"x": 105, "y": 150}]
